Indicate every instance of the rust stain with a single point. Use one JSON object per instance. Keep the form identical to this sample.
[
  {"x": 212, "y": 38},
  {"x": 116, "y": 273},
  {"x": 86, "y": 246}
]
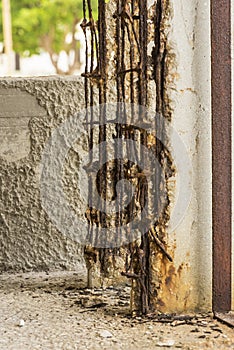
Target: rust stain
[
  {"x": 187, "y": 89},
  {"x": 161, "y": 303},
  {"x": 174, "y": 286},
  {"x": 169, "y": 279}
]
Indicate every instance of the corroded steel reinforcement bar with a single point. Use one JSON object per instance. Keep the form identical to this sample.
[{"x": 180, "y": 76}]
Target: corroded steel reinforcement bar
[
  {"x": 221, "y": 152},
  {"x": 133, "y": 70}
]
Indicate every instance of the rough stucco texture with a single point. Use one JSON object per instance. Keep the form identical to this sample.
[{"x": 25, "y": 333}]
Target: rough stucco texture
[{"x": 30, "y": 109}]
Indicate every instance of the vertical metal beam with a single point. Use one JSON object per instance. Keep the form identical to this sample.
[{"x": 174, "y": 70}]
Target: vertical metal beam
[{"x": 221, "y": 152}]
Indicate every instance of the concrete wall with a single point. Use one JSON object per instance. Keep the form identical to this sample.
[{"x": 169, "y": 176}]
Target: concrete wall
[
  {"x": 31, "y": 108},
  {"x": 190, "y": 97}
]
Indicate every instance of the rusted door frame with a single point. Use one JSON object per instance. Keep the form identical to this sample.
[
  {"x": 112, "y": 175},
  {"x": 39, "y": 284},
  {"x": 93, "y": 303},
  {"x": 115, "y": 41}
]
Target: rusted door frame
[{"x": 221, "y": 153}]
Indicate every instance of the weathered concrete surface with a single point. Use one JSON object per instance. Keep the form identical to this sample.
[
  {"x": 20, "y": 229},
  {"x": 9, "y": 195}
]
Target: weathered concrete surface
[
  {"x": 17, "y": 107},
  {"x": 188, "y": 281},
  {"x": 30, "y": 109}
]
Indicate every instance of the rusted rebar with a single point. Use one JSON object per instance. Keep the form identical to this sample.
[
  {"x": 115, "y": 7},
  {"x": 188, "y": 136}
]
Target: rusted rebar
[{"x": 132, "y": 84}]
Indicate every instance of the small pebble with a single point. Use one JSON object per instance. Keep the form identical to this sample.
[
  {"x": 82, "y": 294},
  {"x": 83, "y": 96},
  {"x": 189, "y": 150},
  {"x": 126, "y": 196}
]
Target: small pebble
[
  {"x": 105, "y": 334},
  {"x": 166, "y": 343},
  {"x": 21, "y": 323}
]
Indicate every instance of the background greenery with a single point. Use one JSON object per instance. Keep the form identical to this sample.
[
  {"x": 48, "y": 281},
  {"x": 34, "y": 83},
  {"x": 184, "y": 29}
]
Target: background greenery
[{"x": 42, "y": 25}]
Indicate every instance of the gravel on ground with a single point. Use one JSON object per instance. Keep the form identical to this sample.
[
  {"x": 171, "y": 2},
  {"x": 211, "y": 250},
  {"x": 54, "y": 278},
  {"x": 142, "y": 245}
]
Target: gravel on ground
[{"x": 56, "y": 311}]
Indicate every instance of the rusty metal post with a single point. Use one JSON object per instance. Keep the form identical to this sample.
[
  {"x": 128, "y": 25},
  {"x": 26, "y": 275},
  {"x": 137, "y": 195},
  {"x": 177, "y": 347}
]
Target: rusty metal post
[{"x": 221, "y": 152}]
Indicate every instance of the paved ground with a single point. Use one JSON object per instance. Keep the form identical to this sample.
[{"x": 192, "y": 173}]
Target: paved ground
[{"x": 54, "y": 311}]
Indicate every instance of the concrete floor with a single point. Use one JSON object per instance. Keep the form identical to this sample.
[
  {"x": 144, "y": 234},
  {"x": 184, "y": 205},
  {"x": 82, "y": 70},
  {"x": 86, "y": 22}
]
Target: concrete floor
[{"x": 54, "y": 311}]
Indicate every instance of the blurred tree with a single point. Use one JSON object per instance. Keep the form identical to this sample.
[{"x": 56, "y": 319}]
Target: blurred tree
[{"x": 44, "y": 25}]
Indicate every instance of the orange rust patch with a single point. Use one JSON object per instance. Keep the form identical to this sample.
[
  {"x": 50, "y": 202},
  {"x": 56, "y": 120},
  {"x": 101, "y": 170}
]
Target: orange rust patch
[{"x": 175, "y": 292}]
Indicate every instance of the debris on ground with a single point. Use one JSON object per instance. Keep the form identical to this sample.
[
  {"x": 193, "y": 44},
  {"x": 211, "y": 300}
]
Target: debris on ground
[
  {"x": 21, "y": 323},
  {"x": 62, "y": 314}
]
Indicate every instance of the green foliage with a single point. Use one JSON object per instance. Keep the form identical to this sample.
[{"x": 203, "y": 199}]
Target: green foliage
[{"x": 43, "y": 24}]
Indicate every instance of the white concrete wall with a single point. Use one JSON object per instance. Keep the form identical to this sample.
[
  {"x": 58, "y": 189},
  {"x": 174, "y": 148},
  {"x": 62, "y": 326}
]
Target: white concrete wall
[{"x": 190, "y": 40}]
